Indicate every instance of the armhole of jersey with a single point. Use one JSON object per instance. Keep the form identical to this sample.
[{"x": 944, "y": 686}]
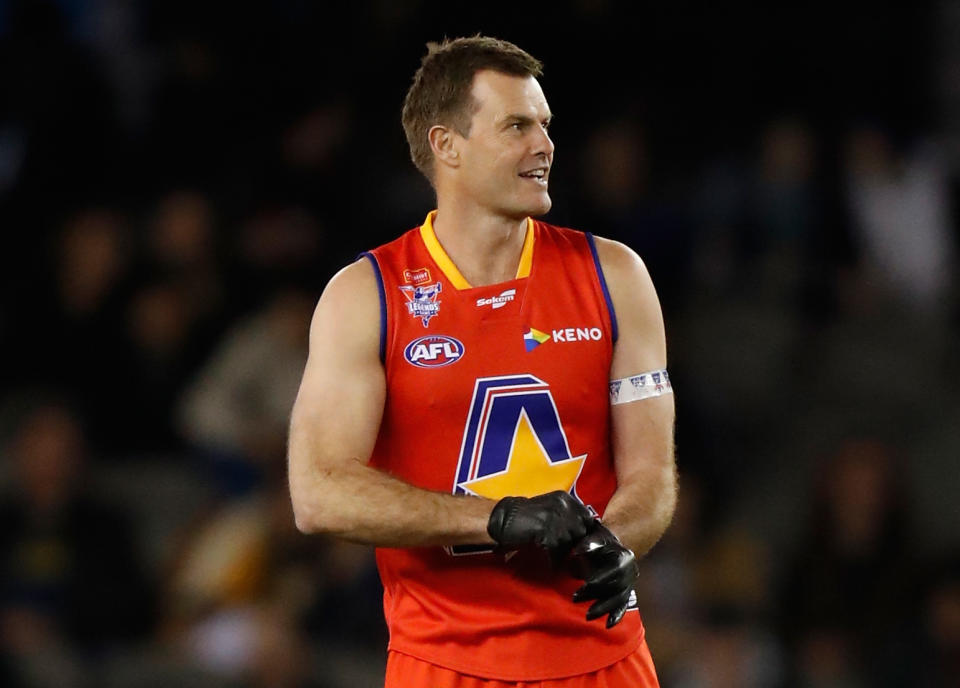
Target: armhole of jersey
[
  {"x": 603, "y": 286},
  {"x": 383, "y": 305}
]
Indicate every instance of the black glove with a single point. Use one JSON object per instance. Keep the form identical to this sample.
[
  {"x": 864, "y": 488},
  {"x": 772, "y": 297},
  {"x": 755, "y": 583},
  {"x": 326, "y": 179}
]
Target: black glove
[
  {"x": 609, "y": 569},
  {"x": 553, "y": 521}
]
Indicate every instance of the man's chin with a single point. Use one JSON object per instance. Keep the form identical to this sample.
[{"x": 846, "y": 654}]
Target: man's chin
[
  {"x": 541, "y": 208},
  {"x": 530, "y": 207}
]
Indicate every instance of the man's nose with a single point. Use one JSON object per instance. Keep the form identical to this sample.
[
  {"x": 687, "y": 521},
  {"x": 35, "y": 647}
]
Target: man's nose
[{"x": 543, "y": 144}]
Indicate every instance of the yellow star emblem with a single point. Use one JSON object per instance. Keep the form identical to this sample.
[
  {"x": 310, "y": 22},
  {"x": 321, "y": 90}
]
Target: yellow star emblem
[{"x": 529, "y": 471}]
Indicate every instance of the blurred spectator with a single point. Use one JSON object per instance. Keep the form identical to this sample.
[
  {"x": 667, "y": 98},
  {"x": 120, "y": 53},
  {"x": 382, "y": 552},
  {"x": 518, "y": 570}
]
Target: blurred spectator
[
  {"x": 174, "y": 307},
  {"x": 785, "y": 203},
  {"x": 183, "y": 245},
  {"x": 720, "y": 198},
  {"x": 237, "y": 408},
  {"x": 69, "y": 334},
  {"x": 312, "y": 141},
  {"x": 787, "y": 210},
  {"x": 71, "y": 577},
  {"x": 159, "y": 353},
  {"x": 731, "y": 589},
  {"x": 279, "y": 243},
  {"x": 769, "y": 231},
  {"x": 899, "y": 200},
  {"x": 182, "y": 239},
  {"x": 626, "y": 201},
  {"x": 94, "y": 255},
  {"x": 731, "y": 653},
  {"x": 707, "y": 586},
  {"x": 939, "y": 662},
  {"x": 246, "y": 587},
  {"x": 827, "y": 658},
  {"x": 732, "y": 577},
  {"x": 218, "y": 607},
  {"x": 849, "y": 586}
]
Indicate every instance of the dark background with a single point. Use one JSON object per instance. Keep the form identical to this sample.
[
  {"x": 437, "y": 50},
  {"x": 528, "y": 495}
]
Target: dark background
[{"x": 178, "y": 180}]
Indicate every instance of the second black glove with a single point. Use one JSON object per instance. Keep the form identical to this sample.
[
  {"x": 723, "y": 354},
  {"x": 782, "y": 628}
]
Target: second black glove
[{"x": 610, "y": 570}]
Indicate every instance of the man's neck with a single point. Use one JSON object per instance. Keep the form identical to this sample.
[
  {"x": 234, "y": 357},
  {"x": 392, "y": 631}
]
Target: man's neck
[{"x": 485, "y": 248}]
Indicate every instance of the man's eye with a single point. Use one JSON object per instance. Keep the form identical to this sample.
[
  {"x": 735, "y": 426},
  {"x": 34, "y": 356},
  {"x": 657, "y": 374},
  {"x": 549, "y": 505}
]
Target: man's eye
[{"x": 517, "y": 125}]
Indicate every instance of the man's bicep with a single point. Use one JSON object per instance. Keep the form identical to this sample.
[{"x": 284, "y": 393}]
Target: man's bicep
[
  {"x": 642, "y": 428},
  {"x": 641, "y": 342},
  {"x": 337, "y": 414}
]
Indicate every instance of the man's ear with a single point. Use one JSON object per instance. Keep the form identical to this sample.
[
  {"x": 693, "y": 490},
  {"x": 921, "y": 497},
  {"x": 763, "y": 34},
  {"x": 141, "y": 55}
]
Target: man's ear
[{"x": 443, "y": 142}]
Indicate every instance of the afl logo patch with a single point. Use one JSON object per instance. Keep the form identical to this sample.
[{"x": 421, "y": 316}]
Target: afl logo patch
[{"x": 433, "y": 351}]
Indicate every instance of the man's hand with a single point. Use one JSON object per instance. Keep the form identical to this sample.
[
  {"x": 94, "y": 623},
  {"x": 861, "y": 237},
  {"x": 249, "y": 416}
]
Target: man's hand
[
  {"x": 609, "y": 569},
  {"x": 553, "y": 521}
]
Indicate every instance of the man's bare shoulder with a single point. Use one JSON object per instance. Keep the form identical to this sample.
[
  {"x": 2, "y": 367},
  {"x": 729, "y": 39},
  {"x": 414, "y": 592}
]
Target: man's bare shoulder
[
  {"x": 357, "y": 280},
  {"x": 636, "y": 305},
  {"x": 623, "y": 269},
  {"x": 349, "y": 307}
]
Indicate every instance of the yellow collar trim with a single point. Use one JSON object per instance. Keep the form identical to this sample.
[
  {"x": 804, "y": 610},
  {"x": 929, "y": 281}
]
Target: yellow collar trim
[{"x": 450, "y": 270}]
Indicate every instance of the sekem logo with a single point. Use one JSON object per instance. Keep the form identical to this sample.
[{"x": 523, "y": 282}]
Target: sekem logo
[
  {"x": 495, "y": 302},
  {"x": 433, "y": 351}
]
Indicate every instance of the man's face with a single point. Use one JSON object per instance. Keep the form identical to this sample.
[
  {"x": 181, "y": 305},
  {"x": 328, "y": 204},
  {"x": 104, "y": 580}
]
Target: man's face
[{"x": 506, "y": 159}]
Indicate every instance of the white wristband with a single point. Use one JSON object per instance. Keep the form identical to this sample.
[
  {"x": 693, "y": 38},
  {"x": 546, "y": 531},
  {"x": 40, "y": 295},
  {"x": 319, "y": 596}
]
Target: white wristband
[{"x": 643, "y": 386}]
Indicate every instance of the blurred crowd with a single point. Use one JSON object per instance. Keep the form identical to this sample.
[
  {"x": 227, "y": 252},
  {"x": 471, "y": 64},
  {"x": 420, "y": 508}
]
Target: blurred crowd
[{"x": 178, "y": 182}]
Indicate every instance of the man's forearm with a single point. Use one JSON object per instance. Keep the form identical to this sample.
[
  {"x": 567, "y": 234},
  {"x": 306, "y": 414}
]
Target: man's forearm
[
  {"x": 640, "y": 510},
  {"x": 359, "y": 503}
]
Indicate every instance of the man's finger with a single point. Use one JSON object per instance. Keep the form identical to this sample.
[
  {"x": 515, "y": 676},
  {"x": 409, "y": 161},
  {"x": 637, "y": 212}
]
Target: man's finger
[
  {"x": 605, "y": 606},
  {"x": 616, "y": 616},
  {"x": 600, "y": 585}
]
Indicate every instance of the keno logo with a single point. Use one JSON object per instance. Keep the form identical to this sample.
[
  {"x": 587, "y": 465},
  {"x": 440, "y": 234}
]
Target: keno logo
[{"x": 433, "y": 351}]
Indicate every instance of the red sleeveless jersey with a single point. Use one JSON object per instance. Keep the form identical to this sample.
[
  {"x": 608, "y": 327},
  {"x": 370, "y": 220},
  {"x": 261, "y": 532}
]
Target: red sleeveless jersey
[{"x": 495, "y": 391}]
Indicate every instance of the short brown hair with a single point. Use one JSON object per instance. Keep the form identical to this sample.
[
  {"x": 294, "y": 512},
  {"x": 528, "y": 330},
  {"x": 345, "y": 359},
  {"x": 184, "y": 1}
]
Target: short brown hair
[{"x": 440, "y": 92}]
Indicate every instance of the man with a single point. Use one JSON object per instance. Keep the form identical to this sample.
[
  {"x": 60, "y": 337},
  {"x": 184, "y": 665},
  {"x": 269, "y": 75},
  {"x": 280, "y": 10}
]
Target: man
[{"x": 476, "y": 390}]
